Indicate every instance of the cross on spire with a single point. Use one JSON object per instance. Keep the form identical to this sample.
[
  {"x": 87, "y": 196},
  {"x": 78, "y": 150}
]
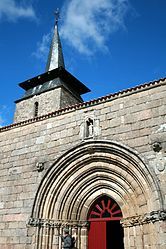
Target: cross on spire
[
  {"x": 57, "y": 16},
  {"x": 55, "y": 57}
]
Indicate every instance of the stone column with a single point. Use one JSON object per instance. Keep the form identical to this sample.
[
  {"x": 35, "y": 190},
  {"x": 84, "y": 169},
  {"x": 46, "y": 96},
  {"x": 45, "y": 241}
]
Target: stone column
[
  {"x": 130, "y": 231},
  {"x": 84, "y": 237},
  {"x": 75, "y": 234},
  {"x": 126, "y": 239},
  {"x": 45, "y": 237},
  {"x": 160, "y": 227},
  {"x": 60, "y": 240},
  {"x": 79, "y": 238},
  {"x": 145, "y": 231},
  {"x": 56, "y": 237},
  {"x": 40, "y": 238}
]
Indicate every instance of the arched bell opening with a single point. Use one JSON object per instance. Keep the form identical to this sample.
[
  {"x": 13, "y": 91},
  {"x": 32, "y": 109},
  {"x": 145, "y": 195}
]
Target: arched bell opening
[{"x": 105, "y": 230}]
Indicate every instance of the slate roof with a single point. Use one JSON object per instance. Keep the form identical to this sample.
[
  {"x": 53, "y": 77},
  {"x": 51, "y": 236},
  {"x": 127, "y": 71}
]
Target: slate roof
[
  {"x": 50, "y": 80},
  {"x": 55, "y": 57}
]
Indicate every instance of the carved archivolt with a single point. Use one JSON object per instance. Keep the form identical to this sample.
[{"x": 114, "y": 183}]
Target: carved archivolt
[
  {"x": 92, "y": 169},
  {"x": 83, "y": 174}
]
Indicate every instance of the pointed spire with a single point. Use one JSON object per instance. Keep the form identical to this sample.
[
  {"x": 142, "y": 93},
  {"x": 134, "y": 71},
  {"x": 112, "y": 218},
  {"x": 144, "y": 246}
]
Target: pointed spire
[{"x": 55, "y": 57}]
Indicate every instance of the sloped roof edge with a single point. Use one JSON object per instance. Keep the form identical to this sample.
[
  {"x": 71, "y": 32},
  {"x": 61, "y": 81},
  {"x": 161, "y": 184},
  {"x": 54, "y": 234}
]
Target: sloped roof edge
[{"x": 57, "y": 72}]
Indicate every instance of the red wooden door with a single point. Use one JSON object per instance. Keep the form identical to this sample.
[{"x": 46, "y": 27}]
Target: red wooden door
[
  {"x": 97, "y": 235},
  {"x": 103, "y": 217}
]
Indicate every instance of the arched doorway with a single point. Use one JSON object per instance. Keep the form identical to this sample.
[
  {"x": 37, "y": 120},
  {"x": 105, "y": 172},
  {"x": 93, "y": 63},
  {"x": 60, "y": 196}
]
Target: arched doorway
[
  {"x": 72, "y": 187},
  {"x": 105, "y": 230}
]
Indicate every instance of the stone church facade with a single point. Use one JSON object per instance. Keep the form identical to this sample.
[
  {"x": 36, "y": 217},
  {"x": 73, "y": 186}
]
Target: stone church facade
[{"x": 97, "y": 167}]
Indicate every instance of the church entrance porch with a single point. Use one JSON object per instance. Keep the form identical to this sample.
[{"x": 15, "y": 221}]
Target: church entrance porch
[
  {"x": 105, "y": 230},
  {"x": 87, "y": 190}
]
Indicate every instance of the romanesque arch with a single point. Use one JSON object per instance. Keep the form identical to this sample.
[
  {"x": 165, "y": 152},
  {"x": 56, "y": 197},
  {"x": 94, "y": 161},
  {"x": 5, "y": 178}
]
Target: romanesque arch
[{"x": 80, "y": 176}]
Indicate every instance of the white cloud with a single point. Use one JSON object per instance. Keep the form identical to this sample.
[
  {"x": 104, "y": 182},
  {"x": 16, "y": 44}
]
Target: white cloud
[
  {"x": 3, "y": 111},
  {"x": 43, "y": 47},
  {"x": 12, "y": 10},
  {"x": 88, "y": 24}
]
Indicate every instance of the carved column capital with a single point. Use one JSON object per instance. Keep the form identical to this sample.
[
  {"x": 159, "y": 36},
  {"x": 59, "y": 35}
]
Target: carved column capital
[
  {"x": 38, "y": 222},
  {"x": 151, "y": 217}
]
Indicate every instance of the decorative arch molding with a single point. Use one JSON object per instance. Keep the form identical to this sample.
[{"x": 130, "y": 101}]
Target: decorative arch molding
[{"x": 89, "y": 170}]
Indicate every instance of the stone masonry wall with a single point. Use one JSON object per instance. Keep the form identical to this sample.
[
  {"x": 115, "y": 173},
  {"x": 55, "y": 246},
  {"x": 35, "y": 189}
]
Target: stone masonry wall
[
  {"x": 48, "y": 102},
  {"x": 68, "y": 99},
  {"x": 136, "y": 120}
]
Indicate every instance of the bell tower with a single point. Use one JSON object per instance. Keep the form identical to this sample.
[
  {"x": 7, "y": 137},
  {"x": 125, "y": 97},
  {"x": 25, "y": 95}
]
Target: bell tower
[{"x": 52, "y": 90}]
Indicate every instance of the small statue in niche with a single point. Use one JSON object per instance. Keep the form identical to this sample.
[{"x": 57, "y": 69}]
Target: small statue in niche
[{"x": 89, "y": 127}]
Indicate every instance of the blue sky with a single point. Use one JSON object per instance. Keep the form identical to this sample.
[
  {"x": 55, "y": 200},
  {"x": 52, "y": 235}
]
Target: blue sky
[{"x": 109, "y": 45}]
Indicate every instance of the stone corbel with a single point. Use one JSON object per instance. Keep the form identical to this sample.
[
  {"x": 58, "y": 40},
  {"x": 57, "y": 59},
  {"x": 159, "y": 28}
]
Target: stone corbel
[
  {"x": 157, "y": 146},
  {"x": 40, "y": 166}
]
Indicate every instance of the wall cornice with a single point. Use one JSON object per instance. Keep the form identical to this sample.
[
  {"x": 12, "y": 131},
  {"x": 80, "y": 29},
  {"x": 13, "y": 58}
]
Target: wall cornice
[{"x": 90, "y": 103}]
